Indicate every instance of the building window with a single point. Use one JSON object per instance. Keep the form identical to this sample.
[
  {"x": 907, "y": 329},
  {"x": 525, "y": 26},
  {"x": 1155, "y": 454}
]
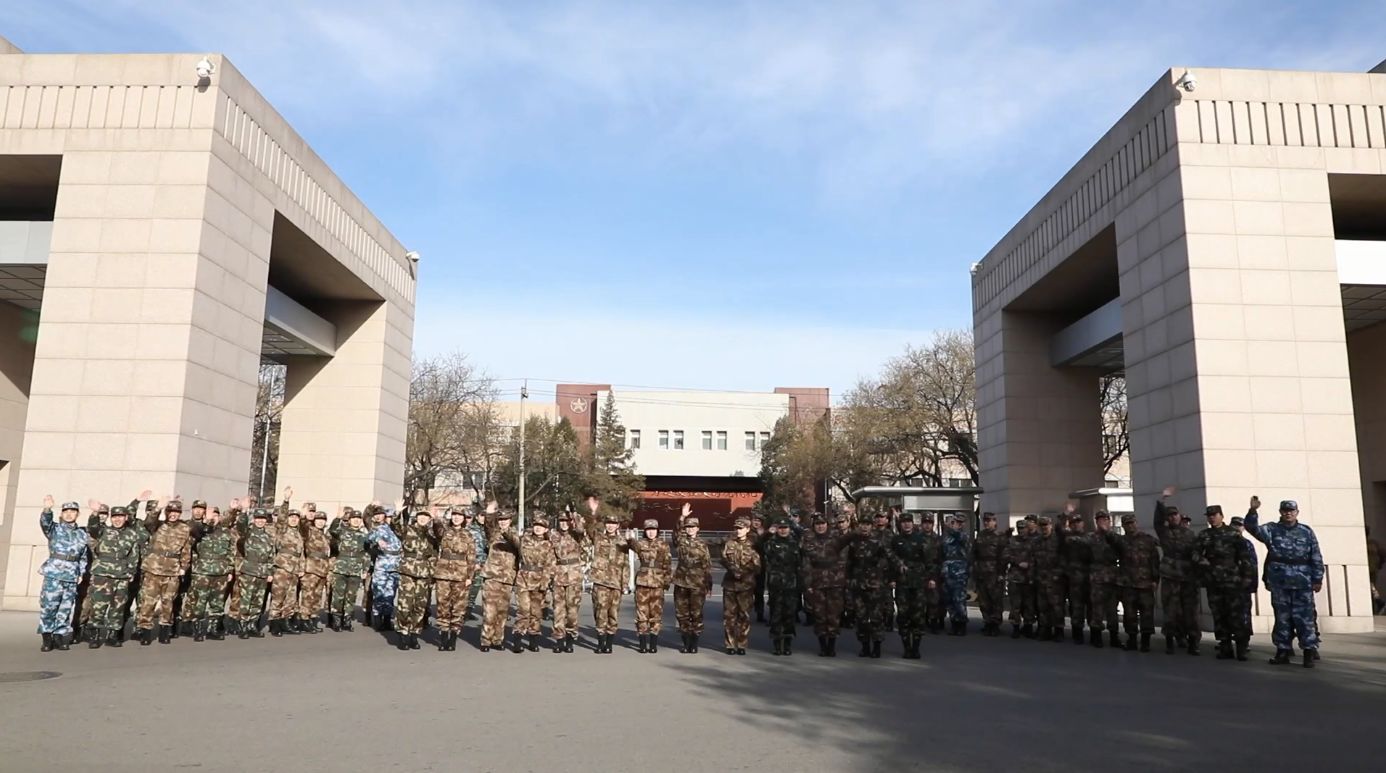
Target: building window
[
  {"x": 750, "y": 441},
  {"x": 707, "y": 440},
  {"x": 635, "y": 438},
  {"x": 764, "y": 438},
  {"x": 664, "y": 439},
  {"x": 721, "y": 441},
  {"x": 678, "y": 440}
]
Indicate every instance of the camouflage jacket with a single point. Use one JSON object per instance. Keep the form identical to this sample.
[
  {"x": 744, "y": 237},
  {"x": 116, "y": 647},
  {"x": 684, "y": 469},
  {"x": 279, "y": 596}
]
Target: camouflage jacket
[
  {"x": 1046, "y": 564},
  {"x": 317, "y": 550},
  {"x": 917, "y": 558},
  {"x": 169, "y": 551},
  {"x": 1176, "y": 546},
  {"x": 1019, "y": 551},
  {"x": 349, "y": 548},
  {"x": 1293, "y": 559},
  {"x": 656, "y": 567},
  {"x": 869, "y": 560},
  {"x": 783, "y": 561},
  {"x": 67, "y": 548},
  {"x": 456, "y": 553},
  {"x": 824, "y": 564},
  {"x": 502, "y": 554},
  {"x": 1223, "y": 559},
  {"x": 537, "y": 562},
  {"x": 1140, "y": 559},
  {"x": 115, "y": 552},
  {"x": 742, "y": 562},
  {"x": 385, "y": 546},
  {"x": 567, "y": 549},
  {"x": 694, "y": 569},
  {"x": 256, "y": 549},
  {"x": 1102, "y": 560},
  {"x": 214, "y": 549},
  {"x": 1075, "y": 554},
  {"x": 609, "y": 567},
  {"x": 288, "y": 546},
  {"x": 957, "y": 556},
  {"x": 418, "y": 549},
  {"x": 989, "y": 554}
]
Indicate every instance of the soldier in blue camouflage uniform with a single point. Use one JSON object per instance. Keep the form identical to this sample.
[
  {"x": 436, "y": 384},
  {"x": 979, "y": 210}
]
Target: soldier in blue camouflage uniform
[
  {"x": 1227, "y": 569},
  {"x": 1294, "y": 573},
  {"x": 957, "y": 552},
  {"x": 67, "y": 560},
  {"x": 385, "y": 573}
]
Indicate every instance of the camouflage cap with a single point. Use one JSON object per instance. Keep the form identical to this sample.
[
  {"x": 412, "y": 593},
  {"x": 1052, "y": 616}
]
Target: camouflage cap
[
  {"x": 175, "y": 506},
  {"x": 651, "y": 523},
  {"x": 988, "y": 516},
  {"x": 611, "y": 518},
  {"x": 690, "y": 521},
  {"x": 199, "y": 503},
  {"x": 1288, "y": 504},
  {"x": 782, "y": 522},
  {"x": 319, "y": 515},
  {"x": 310, "y": 505},
  {"x": 120, "y": 510},
  {"x": 1045, "y": 520},
  {"x": 1237, "y": 520},
  {"x": 1032, "y": 518},
  {"x": 354, "y": 513},
  {"x": 1103, "y": 515},
  {"x": 71, "y": 506},
  {"x": 741, "y": 523},
  {"x": 1128, "y": 518},
  {"x": 103, "y": 508},
  {"x": 1171, "y": 510},
  {"x": 820, "y": 518},
  {"x": 1213, "y": 510},
  {"x": 565, "y": 516},
  {"x": 293, "y": 512},
  {"x": 260, "y": 512}
]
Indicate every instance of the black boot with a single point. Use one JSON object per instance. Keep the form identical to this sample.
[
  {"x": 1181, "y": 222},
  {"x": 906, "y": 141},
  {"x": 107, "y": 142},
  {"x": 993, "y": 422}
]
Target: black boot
[
  {"x": 413, "y": 641},
  {"x": 1169, "y": 645},
  {"x": 1242, "y": 648},
  {"x": 312, "y": 624},
  {"x": 165, "y": 634},
  {"x": 1015, "y": 631},
  {"x": 876, "y": 649},
  {"x": 693, "y": 638},
  {"x": 256, "y": 632},
  {"x": 443, "y": 641},
  {"x": 1077, "y": 633},
  {"x": 334, "y": 622},
  {"x": 515, "y": 644},
  {"x": 293, "y": 626},
  {"x": 214, "y": 631},
  {"x": 1045, "y": 633},
  {"x": 146, "y": 636},
  {"x": 200, "y": 630},
  {"x": 1028, "y": 631},
  {"x": 79, "y": 633},
  {"x": 402, "y": 643},
  {"x": 1225, "y": 650},
  {"x": 113, "y": 639},
  {"x": 778, "y": 648},
  {"x": 1095, "y": 637},
  {"x": 560, "y": 645},
  {"x": 1145, "y": 642},
  {"x": 686, "y": 647},
  {"x": 277, "y": 629},
  {"x": 346, "y": 621},
  {"x": 95, "y": 637},
  {"x": 865, "y": 649},
  {"x": 1282, "y": 657},
  {"x": 1309, "y": 657},
  {"x": 822, "y": 646},
  {"x": 832, "y": 646},
  {"x": 244, "y": 632},
  {"x": 47, "y": 643},
  {"x": 60, "y": 642},
  {"x": 644, "y": 644},
  {"x": 1114, "y": 638},
  {"x": 788, "y": 645},
  {"x": 905, "y": 646},
  {"x": 568, "y": 642},
  {"x": 1131, "y": 641},
  {"x": 533, "y": 642},
  {"x": 654, "y": 643},
  {"x": 1193, "y": 646}
]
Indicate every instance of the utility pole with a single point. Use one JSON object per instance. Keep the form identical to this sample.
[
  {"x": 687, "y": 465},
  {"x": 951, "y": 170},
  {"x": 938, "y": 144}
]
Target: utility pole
[
  {"x": 524, "y": 395},
  {"x": 264, "y": 458}
]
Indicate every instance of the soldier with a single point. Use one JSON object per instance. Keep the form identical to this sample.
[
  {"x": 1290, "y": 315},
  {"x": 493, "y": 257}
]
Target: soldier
[
  {"x": 166, "y": 560},
  {"x": 67, "y": 560},
  {"x": 214, "y": 553},
  {"x": 757, "y": 536},
  {"x": 957, "y": 552},
  {"x": 537, "y": 564},
  {"x": 1102, "y": 581},
  {"x": 418, "y": 552},
  {"x": 116, "y": 546},
  {"x": 782, "y": 567},
  {"x": 317, "y": 559},
  {"x": 1047, "y": 573},
  {"x": 288, "y": 569},
  {"x": 932, "y": 595},
  {"x": 350, "y": 564},
  {"x": 567, "y": 581},
  {"x": 183, "y": 624},
  {"x": 692, "y": 580},
  {"x": 502, "y": 566},
  {"x": 1240, "y": 526},
  {"x": 1019, "y": 585},
  {"x": 1223, "y": 559},
  {"x": 453, "y": 575},
  {"x": 989, "y": 573},
  {"x": 825, "y": 580},
  {"x": 83, "y": 629},
  {"x": 609, "y": 575},
  {"x": 741, "y": 559},
  {"x": 1178, "y": 588},
  {"x": 385, "y": 570},
  {"x": 478, "y": 529},
  {"x": 916, "y": 561},
  {"x": 1139, "y": 554},
  {"x": 1294, "y": 573},
  {"x": 254, "y": 569},
  {"x": 652, "y": 578},
  {"x": 1075, "y": 556},
  {"x": 868, "y": 568}
]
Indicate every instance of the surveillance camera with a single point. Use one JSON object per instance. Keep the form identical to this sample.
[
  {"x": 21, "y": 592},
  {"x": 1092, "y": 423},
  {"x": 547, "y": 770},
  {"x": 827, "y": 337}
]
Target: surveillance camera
[
  {"x": 412, "y": 255},
  {"x": 205, "y": 68},
  {"x": 1187, "y": 81}
]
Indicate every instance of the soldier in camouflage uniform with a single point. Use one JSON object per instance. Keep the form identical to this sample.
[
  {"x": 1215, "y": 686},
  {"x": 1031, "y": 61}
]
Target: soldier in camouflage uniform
[
  {"x": 83, "y": 629},
  {"x": 567, "y": 581},
  {"x": 317, "y": 565},
  {"x": 532, "y": 582},
  {"x": 254, "y": 569},
  {"x": 609, "y": 575},
  {"x": 758, "y": 535},
  {"x": 1178, "y": 586},
  {"x": 957, "y": 555},
  {"x": 1047, "y": 572},
  {"x": 1239, "y": 524},
  {"x": 1075, "y": 555},
  {"x": 824, "y": 571},
  {"x": 502, "y": 566},
  {"x": 350, "y": 564},
  {"x": 67, "y": 560},
  {"x": 869, "y": 564},
  {"x": 916, "y": 561},
  {"x": 1020, "y": 587},
  {"x": 1102, "y": 582},
  {"x": 1139, "y": 554},
  {"x": 741, "y": 560},
  {"x": 418, "y": 553},
  {"x": 933, "y": 597},
  {"x": 453, "y": 574},
  {"x": 1224, "y": 563},
  {"x": 166, "y": 560},
  {"x": 989, "y": 574},
  {"x": 214, "y": 554},
  {"x": 385, "y": 546},
  {"x": 783, "y": 561},
  {"x": 288, "y": 570},
  {"x": 692, "y": 580},
  {"x": 478, "y": 529},
  {"x": 1294, "y": 573},
  {"x": 116, "y": 546},
  {"x": 653, "y": 575}
]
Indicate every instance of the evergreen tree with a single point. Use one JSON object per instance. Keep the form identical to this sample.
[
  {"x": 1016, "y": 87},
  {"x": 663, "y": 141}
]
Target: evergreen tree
[{"x": 613, "y": 478}]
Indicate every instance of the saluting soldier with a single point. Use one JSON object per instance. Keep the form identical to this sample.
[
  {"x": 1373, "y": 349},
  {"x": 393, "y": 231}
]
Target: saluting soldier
[
  {"x": 350, "y": 565},
  {"x": 317, "y": 559},
  {"x": 692, "y": 580},
  {"x": 165, "y": 562},
  {"x": 567, "y": 581},
  {"x": 453, "y": 575},
  {"x": 67, "y": 560},
  {"x": 116, "y": 547},
  {"x": 418, "y": 552},
  {"x": 609, "y": 575},
  {"x": 502, "y": 566}
]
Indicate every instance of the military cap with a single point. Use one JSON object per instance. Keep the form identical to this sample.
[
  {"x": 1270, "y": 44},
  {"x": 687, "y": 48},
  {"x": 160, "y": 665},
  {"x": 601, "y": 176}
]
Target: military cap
[
  {"x": 782, "y": 521},
  {"x": 1213, "y": 510},
  {"x": 1128, "y": 518},
  {"x": 988, "y": 516},
  {"x": 540, "y": 520},
  {"x": 103, "y": 509},
  {"x": 1289, "y": 504},
  {"x": 611, "y": 518},
  {"x": 260, "y": 512},
  {"x": 690, "y": 521},
  {"x": 742, "y": 522},
  {"x": 1171, "y": 510},
  {"x": 820, "y": 518},
  {"x": 1044, "y": 520},
  {"x": 71, "y": 506},
  {"x": 880, "y": 514},
  {"x": 354, "y": 513},
  {"x": 310, "y": 505},
  {"x": 294, "y": 512},
  {"x": 200, "y": 503},
  {"x": 319, "y": 515},
  {"x": 423, "y": 511},
  {"x": 1102, "y": 514},
  {"x": 1032, "y": 518},
  {"x": 565, "y": 516},
  {"x": 651, "y": 523},
  {"x": 120, "y": 510},
  {"x": 174, "y": 506},
  {"x": 1237, "y": 520},
  {"x": 954, "y": 517}
]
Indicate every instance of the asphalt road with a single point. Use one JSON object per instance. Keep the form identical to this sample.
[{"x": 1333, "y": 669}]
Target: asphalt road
[{"x": 347, "y": 701}]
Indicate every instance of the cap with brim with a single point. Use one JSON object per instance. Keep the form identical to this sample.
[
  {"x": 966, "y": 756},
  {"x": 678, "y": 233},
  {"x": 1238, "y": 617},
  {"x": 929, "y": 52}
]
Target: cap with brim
[
  {"x": 294, "y": 512},
  {"x": 1237, "y": 520},
  {"x": 354, "y": 514},
  {"x": 120, "y": 510},
  {"x": 1171, "y": 510},
  {"x": 988, "y": 516},
  {"x": 1213, "y": 510},
  {"x": 611, "y": 518},
  {"x": 1289, "y": 504},
  {"x": 565, "y": 517},
  {"x": 651, "y": 523},
  {"x": 1032, "y": 518},
  {"x": 319, "y": 515},
  {"x": 199, "y": 503},
  {"x": 817, "y": 519},
  {"x": 174, "y": 506},
  {"x": 310, "y": 505},
  {"x": 259, "y": 513},
  {"x": 1102, "y": 514},
  {"x": 1128, "y": 518},
  {"x": 742, "y": 523},
  {"x": 71, "y": 506},
  {"x": 690, "y": 521}
]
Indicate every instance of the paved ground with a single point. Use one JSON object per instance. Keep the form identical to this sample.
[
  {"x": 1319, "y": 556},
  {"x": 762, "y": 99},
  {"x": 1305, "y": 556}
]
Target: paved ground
[{"x": 339, "y": 701}]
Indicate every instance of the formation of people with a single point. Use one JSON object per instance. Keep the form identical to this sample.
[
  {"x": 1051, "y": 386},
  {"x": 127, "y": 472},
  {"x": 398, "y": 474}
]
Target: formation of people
[{"x": 283, "y": 569}]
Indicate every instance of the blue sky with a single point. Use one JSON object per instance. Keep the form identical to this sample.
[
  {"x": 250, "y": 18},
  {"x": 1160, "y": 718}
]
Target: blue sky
[{"x": 703, "y": 194}]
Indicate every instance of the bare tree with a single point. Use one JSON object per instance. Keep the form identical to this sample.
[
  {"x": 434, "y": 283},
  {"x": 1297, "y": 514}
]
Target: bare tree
[
  {"x": 264, "y": 444},
  {"x": 1115, "y": 440},
  {"x": 454, "y": 432}
]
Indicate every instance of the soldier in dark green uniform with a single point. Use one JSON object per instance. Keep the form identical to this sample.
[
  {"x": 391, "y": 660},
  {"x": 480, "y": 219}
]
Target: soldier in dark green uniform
[
  {"x": 1178, "y": 587},
  {"x": 116, "y": 551},
  {"x": 868, "y": 567},
  {"x": 1223, "y": 559},
  {"x": 254, "y": 568},
  {"x": 350, "y": 564},
  {"x": 989, "y": 574},
  {"x": 782, "y": 564},
  {"x": 214, "y": 552},
  {"x": 1102, "y": 582},
  {"x": 916, "y": 561}
]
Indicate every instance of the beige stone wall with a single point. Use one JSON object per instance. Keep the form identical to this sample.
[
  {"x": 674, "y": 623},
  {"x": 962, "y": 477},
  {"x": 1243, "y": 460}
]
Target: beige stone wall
[
  {"x": 16, "y": 369},
  {"x": 1367, "y": 360}
]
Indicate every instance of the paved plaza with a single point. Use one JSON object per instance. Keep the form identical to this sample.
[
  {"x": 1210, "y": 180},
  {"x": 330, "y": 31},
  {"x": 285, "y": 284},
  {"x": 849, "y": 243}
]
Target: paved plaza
[{"x": 347, "y": 701}]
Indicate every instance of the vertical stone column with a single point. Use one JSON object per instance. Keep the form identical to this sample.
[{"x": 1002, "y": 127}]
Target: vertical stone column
[
  {"x": 16, "y": 369},
  {"x": 343, "y": 431}
]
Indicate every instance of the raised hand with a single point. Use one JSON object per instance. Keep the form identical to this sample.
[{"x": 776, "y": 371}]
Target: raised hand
[
  {"x": 593, "y": 504},
  {"x": 146, "y": 495},
  {"x": 1167, "y": 492},
  {"x": 288, "y": 492},
  {"x": 92, "y": 504},
  {"x": 492, "y": 507},
  {"x": 1255, "y": 503},
  {"x": 686, "y": 510},
  {"x": 1070, "y": 507}
]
